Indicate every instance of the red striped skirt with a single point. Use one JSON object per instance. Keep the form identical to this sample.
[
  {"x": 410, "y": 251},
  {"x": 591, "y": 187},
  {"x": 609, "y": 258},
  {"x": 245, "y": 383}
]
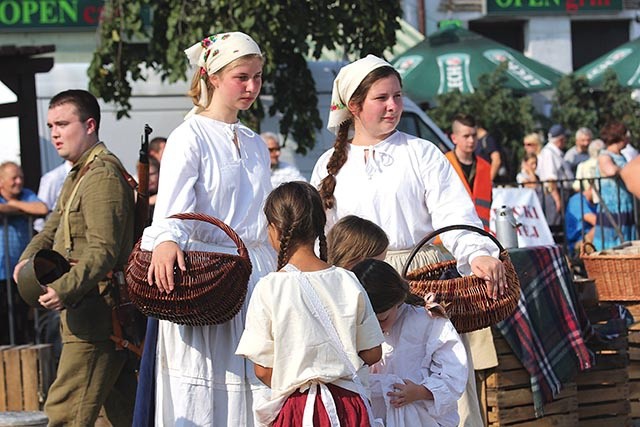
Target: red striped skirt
[{"x": 352, "y": 411}]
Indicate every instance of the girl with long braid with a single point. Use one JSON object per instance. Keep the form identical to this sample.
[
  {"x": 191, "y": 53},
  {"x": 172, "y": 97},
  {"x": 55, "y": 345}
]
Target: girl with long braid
[
  {"x": 402, "y": 183},
  {"x": 310, "y": 329}
]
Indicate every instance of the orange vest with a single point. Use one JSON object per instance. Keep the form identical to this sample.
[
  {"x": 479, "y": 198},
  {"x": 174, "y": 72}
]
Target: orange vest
[{"x": 482, "y": 186}]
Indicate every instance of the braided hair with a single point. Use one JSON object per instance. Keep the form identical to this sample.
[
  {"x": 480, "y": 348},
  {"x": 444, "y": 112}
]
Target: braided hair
[
  {"x": 341, "y": 145},
  {"x": 295, "y": 210}
]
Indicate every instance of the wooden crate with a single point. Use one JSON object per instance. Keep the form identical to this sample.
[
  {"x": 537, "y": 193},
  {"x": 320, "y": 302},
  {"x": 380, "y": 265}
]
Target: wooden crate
[
  {"x": 604, "y": 392},
  {"x": 633, "y": 369},
  {"x": 509, "y": 400},
  {"x": 26, "y": 372}
]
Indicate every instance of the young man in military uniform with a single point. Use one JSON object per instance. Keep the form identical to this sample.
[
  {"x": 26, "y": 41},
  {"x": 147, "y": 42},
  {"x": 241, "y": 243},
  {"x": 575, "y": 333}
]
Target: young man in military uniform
[{"x": 92, "y": 227}]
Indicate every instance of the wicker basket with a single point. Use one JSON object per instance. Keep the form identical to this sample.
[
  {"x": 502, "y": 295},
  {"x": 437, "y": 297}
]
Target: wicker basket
[
  {"x": 616, "y": 272},
  {"x": 468, "y": 305},
  {"x": 211, "y": 291}
]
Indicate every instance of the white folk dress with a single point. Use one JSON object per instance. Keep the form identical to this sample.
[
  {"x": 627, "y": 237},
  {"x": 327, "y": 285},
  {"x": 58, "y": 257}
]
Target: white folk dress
[
  {"x": 426, "y": 351},
  {"x": 200, "y": 381},
  {"x": 282, "y": 333},
  {"x": 408, "y": 188}
]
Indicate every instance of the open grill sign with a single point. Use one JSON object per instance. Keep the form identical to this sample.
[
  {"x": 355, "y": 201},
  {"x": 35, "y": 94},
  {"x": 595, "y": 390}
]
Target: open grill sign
[{"x": 20, "y": 14}]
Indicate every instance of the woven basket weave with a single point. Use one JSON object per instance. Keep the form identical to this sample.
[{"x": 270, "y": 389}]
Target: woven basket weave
[
  {"x": 465, "y": 298},
  {"x": 615, "y": 271},
  {"x": 210, "y": 292}
]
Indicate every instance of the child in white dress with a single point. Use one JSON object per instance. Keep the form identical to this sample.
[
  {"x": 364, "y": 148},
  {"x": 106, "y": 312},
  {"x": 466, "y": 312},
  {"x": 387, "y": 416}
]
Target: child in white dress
[
  {"x": 292, "y": 316},
  {"x": 423, "y": 370}
]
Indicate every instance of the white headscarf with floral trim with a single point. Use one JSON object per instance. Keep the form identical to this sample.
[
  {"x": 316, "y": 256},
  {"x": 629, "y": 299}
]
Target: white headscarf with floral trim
[
  {"x": 213, "y": 53},
  {"x": 347, "y": 81}
]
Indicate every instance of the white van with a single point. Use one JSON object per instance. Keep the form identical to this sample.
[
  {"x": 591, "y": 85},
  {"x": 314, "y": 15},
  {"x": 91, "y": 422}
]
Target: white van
[{"x": 164, "y": 105}]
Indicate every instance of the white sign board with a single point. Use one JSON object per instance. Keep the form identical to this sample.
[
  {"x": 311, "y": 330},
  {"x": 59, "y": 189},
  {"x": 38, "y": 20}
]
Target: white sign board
[{"x": 533, "y": 229}]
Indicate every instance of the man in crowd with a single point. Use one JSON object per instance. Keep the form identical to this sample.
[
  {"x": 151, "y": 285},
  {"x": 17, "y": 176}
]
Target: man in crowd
[
  {"x": 490, "y": 150},
  {"x": 16, "y": 204},
  {"x": 552, "y": 168},
  {"x": 281, "y": 172},
  {"x": 49, "y": 191},
  {"x": 580, "y": 217},
  {"x": 156, "y": 147},
  {"x": 93, "y": 227},
  {"x": 475, "y": 174},
  {"x": 473, "y": 170},
  {"x": 580, "y": 151}
]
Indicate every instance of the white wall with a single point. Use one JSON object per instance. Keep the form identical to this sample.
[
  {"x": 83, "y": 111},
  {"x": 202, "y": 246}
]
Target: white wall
[
  {"x": 157, "y": 103},
  {"x": 548, "y": 40}
]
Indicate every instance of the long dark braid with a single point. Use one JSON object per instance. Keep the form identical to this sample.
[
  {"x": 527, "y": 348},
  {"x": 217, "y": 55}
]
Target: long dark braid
[
  {"x": 295, "y": 210},
  {"x": 340, "y": 151},
  {"x": 283, "y": 256},
  {"x": 335, "y": 163},
  {"x": 323, "y": 245}
]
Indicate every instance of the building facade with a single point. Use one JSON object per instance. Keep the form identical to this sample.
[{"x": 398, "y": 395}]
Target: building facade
[{"x": 564, "y": 34}]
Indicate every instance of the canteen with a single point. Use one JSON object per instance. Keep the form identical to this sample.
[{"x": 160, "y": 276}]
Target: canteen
[{"x": 506, "y": 227}]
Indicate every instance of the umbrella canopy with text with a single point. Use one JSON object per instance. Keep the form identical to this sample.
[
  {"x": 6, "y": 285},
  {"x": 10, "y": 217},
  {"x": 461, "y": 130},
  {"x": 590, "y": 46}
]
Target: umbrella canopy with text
[
  {"x": 454, "y": 59},
  {"x": 624, "y": 60}
]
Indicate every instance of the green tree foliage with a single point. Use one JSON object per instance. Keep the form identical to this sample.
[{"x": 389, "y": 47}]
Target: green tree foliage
[
  {"x": 505, "y": 115},
  {"x": 616, "y": 104},
  {"x": 285, "y": 30},
  {"x": 575, "y": 104}
]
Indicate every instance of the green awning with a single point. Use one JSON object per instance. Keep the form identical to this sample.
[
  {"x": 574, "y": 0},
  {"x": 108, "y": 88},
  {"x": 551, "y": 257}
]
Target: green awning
[
  {"x": 624, "y": 60},
  {"x": 454, "y": 58}
]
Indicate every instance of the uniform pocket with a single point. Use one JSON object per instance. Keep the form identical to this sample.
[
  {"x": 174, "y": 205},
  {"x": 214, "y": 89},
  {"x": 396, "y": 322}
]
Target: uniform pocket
[
  {"x": 76, "y": 219},
  {"x": 90, "y": 320}
]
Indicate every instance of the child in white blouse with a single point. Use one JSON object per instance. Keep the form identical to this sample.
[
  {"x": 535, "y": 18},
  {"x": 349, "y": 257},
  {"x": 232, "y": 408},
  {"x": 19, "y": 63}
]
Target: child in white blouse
[
  {"x": 423, "y": 370},
  {"x": 291, "y": 318}
]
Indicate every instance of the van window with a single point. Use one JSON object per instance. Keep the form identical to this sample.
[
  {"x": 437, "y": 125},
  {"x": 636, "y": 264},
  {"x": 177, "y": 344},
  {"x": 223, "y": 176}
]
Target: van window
[{"x": 410, "y": 123}]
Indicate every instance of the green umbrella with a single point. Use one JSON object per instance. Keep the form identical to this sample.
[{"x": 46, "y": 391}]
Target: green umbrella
[
  {"x": 454, "y": 58},
  {"x": 624, "y": 60}
]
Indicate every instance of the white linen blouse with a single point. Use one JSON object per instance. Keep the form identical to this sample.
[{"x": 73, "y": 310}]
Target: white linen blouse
[
  {"x": 203, "y": 171},
  {"x": 427, "y": 351},
  {"x": 408, "y": 188},
  {"x": 282, "y": 333}
]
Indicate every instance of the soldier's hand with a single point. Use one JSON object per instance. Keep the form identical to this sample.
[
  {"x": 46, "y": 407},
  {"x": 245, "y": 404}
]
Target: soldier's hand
[
  {"x": 17, "y": 269},
  {"x": 50, "y": 299},
  {"x": 163, "y": 260}
]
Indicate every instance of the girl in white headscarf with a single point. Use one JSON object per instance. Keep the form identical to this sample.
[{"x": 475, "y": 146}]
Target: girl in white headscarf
[
  {"x": 402, "y": 183},
  {"x": 212, "y": 164}
]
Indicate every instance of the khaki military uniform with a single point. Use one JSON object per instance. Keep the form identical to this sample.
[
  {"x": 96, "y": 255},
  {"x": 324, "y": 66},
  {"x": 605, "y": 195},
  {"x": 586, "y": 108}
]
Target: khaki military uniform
[{"x": 100, "y": 216}]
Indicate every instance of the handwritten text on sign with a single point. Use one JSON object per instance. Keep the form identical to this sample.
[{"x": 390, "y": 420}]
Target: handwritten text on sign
[{"x": 533, "y": 229}]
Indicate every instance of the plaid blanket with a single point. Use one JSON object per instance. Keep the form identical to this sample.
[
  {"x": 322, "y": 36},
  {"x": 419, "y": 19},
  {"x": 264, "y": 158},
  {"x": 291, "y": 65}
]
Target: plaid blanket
[{"x": 547, "y": 332}]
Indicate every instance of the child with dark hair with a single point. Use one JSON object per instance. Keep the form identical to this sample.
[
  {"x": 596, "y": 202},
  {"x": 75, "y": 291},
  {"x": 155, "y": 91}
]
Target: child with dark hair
[
  {"x": 310, "y": 328},
  {"x": 353, "y": 239},
  {"x": 423, "y": 370}
]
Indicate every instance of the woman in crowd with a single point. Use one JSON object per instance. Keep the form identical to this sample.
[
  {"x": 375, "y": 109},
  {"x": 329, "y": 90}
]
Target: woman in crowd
[
  {"x": 212, "y": 164},
  {"x": 532, "y": 143},
  {"x": 615, "y": 210},
  {"x": 527, "y": 176},
  {"x": 310, "y": 327},
  {"x": 403, "y": 184}
]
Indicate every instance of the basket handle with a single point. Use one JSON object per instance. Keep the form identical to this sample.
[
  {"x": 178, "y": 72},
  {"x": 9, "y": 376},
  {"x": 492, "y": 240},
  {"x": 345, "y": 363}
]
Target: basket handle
[
  {"x": 435, "y": 233},
  {"x": 242, "y": 249}
]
